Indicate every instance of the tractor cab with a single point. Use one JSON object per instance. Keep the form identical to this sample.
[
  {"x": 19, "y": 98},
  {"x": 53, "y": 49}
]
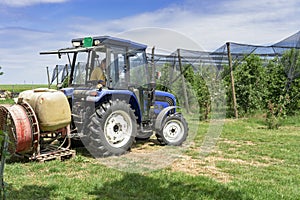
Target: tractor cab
[{"x": 123, "y": 62}]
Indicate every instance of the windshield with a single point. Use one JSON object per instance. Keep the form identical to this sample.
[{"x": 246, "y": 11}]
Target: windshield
[{"x": 86, "y": 63}]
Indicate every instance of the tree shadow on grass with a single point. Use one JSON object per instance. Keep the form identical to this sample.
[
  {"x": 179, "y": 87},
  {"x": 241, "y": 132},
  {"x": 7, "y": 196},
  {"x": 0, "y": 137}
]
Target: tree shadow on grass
[
  {"x": 136, "y": 186},
  {"x": 30, "y": 192}
]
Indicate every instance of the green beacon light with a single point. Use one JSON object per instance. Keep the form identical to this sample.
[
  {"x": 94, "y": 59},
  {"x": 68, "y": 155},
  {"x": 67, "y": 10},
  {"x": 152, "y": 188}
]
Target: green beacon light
[{"x": 88, "y": 42}]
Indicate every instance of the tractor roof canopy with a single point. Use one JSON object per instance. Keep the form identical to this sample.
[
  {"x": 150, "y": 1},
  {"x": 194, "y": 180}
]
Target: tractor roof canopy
[
  {"x": 83, "y": 44},
  {"x": 107, "y": 40}
]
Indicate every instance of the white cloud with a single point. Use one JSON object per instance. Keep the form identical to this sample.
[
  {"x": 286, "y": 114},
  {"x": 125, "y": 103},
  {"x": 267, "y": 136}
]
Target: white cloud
[
  {"x": 22, "y": 3},
  {"x": 253, "y": 22}
]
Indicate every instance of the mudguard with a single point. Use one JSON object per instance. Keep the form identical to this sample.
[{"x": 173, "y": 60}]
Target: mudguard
[{"x": 160, "y": 118}]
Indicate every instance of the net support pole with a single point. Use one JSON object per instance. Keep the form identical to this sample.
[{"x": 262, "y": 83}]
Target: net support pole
[
  {"x": 48, "y": 76},
  {"x": 232, "y": 81},
  {"x": 153, "y": 69},
  {"x": 57, "y": 77},
  {"x": 186, "y": 101},
  {"x": 172, "y": 70}
]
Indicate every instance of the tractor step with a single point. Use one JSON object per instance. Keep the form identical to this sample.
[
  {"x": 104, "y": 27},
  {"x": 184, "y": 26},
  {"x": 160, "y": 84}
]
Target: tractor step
[{"x": 52, "y": 153}]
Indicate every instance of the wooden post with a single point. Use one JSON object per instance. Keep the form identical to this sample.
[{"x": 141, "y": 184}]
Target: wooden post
[
  {"x": 232, "y": 81},
  {"x": 186, "y": 101}
]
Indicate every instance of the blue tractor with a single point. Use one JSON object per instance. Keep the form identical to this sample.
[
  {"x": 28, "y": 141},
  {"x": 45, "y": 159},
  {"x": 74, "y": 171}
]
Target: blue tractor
[{"x": 111, "y": 111}]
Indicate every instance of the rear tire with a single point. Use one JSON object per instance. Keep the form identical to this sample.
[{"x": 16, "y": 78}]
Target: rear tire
[
  {"x": 174, "y": 131},
  {"x": 112, "y": 129}
]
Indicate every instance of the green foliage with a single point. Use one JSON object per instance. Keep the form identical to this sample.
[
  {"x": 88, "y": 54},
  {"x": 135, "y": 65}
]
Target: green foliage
[
  {"x": 170, "y": 81},
  {"x": 283, "y": 85},
  {"x": 197, "y": 90},
  {"x": 163, "y": 83},
  {"x": 273, "y": 87},
  {"x": 200, "y": 89},
  {"x": 290, "y": 62},
  {"x": 275, "y": 100},
  {"x": 275, "y": 114},
  {"x": 65, "y": 82},
  {"x": 276, "y": 80},
  {"x": 250, "y": 85}
]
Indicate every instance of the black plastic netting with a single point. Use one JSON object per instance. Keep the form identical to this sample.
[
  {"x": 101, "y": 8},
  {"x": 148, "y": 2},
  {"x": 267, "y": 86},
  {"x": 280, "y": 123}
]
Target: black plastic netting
[
  {"x": 219, "y": 58},
  {"x": 240, "y": 51},
  {"x": 195, "y": 59},
  {"x": 292, "y": 41}
]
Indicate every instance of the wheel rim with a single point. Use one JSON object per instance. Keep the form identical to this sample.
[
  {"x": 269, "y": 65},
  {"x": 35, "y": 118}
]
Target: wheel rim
[
  {"x": 173, "y": 131},
  {"x": 118, "y": 128}
]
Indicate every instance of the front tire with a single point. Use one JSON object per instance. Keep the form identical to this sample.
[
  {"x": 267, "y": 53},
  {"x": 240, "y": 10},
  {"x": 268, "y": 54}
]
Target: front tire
[
  {"x": 174, "y": 131},
  {"x": 112, "y": 129}
]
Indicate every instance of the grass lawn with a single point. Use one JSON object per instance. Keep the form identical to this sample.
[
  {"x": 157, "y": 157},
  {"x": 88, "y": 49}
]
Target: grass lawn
[{"x": 248, "y": 162}]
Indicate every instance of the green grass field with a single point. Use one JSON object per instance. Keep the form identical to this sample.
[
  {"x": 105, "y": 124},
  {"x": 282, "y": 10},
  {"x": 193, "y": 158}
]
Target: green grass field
[
  {"x": 248, "y": 162},
  {"x": 21, "y": 87}
]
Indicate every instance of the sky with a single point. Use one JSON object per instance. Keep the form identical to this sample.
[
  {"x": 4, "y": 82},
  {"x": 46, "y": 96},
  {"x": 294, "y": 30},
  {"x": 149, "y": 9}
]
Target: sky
[{"x": 28, "y": 27}]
